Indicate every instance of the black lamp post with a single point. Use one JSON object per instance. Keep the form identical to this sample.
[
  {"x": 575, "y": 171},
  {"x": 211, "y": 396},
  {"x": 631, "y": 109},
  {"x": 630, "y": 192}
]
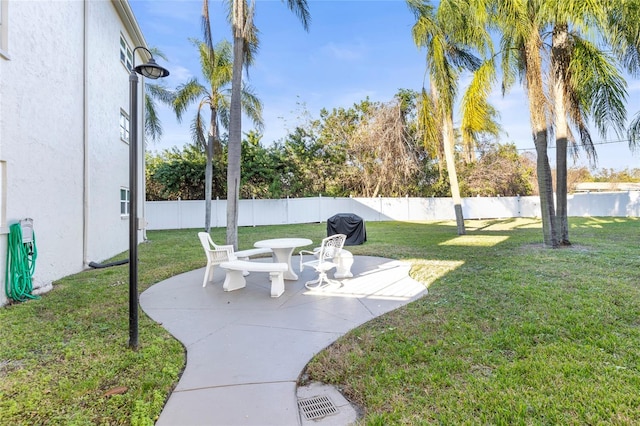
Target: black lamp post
[{"x": 153, "y": 71}]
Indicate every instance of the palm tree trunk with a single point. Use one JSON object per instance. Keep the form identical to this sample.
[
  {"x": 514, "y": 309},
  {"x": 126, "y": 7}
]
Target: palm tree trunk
[
  {"x": 559, "y": 60},
  {"x": 448, "y": 138},
  {"x": 208, "y": 173},
  {"x": 448, "y": 145},
  {"x": 208, "y": 170},
  {"x": 545, "y": 188},
  {"x": 538, "y": 115},
  {"x": 235, "y": 125},
  {"x": 562, "y": 221}
]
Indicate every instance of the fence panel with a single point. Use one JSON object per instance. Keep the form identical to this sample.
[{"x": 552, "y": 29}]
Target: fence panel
[
  {"x": 190, "y": 214},
  {"x": 633, "y": 209},
  {"x": 330, "y": 206},
  {"x": 369, "y": 209},
  {"x": 491, "y": 207},
  {"x": 598, "y": 204},
  {"x": 162, "y": 214}
]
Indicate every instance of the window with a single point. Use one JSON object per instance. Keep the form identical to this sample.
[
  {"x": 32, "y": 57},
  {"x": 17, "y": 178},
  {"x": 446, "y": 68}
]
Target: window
[
  {"x": 124, "y": 126},
  {"x": 126, "y": 54},
  {"x": 124, "y": 202},
  {"x": 4, "y": 31}
]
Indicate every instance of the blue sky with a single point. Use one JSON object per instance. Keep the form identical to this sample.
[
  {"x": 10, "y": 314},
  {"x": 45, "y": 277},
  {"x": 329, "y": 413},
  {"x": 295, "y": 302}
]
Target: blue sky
[{"x": 353, "y": 49}]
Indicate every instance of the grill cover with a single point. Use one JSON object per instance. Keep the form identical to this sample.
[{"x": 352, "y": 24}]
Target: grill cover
[{"x": 349, "y": 224}]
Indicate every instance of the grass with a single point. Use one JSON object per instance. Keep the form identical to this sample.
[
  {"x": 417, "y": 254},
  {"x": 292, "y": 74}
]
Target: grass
[
  {"x": 517, "y": 334},
  {"x": 510, "y": 332}
]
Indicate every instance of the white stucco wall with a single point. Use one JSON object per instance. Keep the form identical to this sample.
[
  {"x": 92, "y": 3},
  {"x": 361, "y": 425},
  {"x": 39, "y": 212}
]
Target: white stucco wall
[
  {"x": 108, "y": 155},
  {"x": 41, "y": 126},
  {"x": 62, "y": 87}
]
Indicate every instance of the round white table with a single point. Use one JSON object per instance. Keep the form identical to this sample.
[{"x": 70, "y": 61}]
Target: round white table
[{"x": 282, "y": 249}]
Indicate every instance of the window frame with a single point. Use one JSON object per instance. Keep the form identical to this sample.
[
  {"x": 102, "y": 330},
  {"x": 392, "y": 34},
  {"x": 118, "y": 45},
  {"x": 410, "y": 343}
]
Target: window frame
[
  {"x": 126, "y": 53},
  {"x": 125, "y": 202},
  {"x": 125, "y": 130}
]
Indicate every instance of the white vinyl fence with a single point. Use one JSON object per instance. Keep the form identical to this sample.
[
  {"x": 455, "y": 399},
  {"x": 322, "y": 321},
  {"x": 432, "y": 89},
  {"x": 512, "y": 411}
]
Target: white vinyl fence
[{"x": 190, "y": 214}]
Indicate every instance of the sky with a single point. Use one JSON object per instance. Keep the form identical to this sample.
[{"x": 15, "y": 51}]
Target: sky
[{"x": 354, "y": 49}]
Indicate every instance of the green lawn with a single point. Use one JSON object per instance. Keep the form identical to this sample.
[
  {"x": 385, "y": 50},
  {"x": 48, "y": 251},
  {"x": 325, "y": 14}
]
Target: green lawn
[{"x": 510, "y": 332}]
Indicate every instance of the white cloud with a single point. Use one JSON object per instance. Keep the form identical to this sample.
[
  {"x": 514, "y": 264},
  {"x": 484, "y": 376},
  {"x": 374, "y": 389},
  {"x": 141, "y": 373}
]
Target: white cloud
[
  {"x": 344, "y": 52},
  {"x": 178, "y": 75}
]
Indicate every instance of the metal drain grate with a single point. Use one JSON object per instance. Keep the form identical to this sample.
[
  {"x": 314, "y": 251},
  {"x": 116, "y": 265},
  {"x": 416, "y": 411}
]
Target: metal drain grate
[{"x": 317, "y": 407}]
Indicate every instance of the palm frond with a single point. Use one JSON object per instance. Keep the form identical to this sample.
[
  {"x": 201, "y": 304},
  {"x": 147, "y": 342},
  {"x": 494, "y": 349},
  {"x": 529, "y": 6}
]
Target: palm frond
[
  {"x": 599, "y": 83},
  {"x": 301, "y": 9},
  {"x": 463, "y": 58},
  {"x": 185, "y": 95},
  {"x": 206, "y": 25},
  {"x": 251, "y": 41},
  {"x": 634, "y": 132},
  {"x": 428, "y": 125},
  {"x": 152, "y": 124},
  {"x": 198, "y": 131},
  {"x": 158, "y": 53},
  {"x": 478, "y": 116},
  {"x": 224, "y": 63},
  {"x": 159, "y": 92},
  {"x": 252, "y": 106},
  {"x": 224, "y": 104},
  {"x": 425, "y": 24}
]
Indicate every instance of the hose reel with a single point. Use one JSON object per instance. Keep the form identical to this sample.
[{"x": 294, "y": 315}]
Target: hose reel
[{"x": 21, "y": 261}]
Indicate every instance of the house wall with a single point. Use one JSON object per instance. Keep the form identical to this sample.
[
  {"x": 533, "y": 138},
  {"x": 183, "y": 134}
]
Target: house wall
[
  {"x": 108, "y": 156},
  {"x": 42, "y": 132},
  {"x": 62, "y": 162}
]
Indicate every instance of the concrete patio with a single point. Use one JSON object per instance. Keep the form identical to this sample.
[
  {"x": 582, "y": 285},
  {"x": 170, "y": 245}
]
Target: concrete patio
[{"x": 246, "y": 350}]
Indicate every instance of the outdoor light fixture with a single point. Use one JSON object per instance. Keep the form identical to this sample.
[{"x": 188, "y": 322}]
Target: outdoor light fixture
[
  {"x": 153, "y": 71},
  {"x": 150, "y": 69}
]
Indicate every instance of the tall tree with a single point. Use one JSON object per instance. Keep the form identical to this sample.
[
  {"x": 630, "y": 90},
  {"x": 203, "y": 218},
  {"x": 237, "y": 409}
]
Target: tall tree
[
  {"x": 585, "y": 83},
  {"x": 520, "y": 24},
  {"x": 450, "y": 33},
  {"x": 245, "y": 43},
  {"x": 580, "y": 83},
  {"x": 216, "y": 65},
  {"x": 385, "y": 158}
]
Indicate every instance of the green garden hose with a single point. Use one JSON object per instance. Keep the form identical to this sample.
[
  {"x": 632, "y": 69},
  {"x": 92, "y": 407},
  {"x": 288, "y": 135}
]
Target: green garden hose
[{"x": 21, "y": 263}]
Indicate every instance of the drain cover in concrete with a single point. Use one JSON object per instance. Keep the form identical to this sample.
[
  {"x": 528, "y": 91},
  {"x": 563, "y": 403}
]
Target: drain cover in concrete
[{"x": 317, "y": 407}]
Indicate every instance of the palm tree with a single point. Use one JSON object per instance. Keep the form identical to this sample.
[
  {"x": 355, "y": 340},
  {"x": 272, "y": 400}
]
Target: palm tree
[
  {"x": 584, "y": 83},
  {"x": 520, "y": 24},
  {"x": 245, "y": 44},
  {"x": 449, "y": 34},
  {"x": 216, "y": 67}
]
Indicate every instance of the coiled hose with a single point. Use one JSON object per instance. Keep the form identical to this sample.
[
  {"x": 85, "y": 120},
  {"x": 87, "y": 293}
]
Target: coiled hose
[{"x": 21, "y": 263}]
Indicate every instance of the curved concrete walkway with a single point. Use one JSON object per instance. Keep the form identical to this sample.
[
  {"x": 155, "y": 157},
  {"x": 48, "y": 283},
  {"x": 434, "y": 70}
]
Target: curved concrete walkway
[{"x": 246, "y": 350}]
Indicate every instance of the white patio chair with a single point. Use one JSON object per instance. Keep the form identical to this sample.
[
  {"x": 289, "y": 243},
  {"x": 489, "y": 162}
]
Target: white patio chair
[
  {"x": 323, "y": 261},
  {"x": 215, "y": 255}
]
